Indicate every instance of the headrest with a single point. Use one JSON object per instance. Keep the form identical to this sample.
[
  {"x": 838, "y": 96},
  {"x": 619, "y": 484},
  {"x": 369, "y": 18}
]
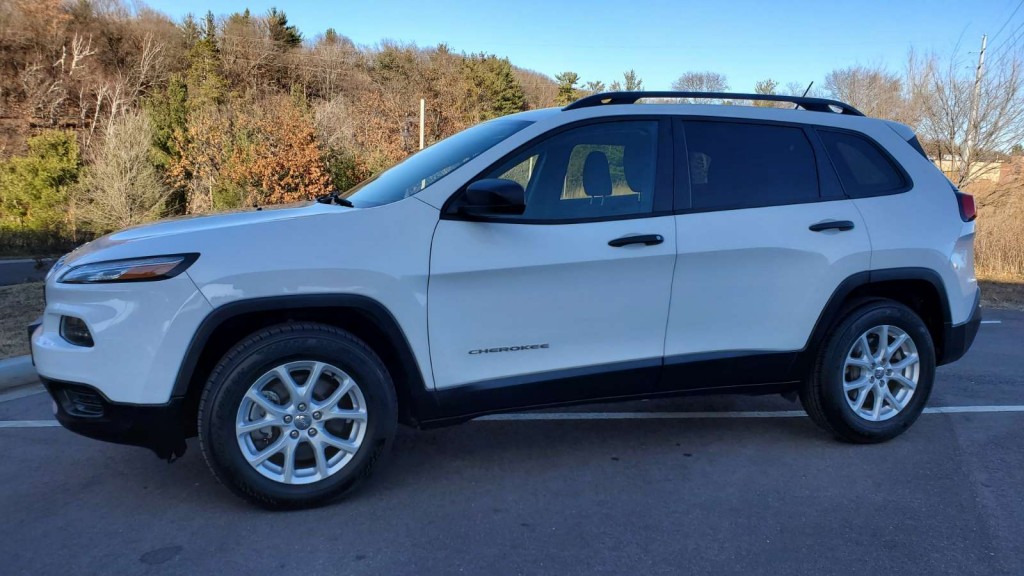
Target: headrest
[
  {"x": 597, "y": 178},
  {"x": 637, "y": 164}
]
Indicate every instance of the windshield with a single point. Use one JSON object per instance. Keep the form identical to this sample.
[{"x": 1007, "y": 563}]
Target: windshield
[{"x": 431, "y": 164}]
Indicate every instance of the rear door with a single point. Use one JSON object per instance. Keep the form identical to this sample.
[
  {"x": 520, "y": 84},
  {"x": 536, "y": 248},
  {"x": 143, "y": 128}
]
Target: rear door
[
  {"x": 764, "y": 238},
  {"x": 562, "y": 290}
]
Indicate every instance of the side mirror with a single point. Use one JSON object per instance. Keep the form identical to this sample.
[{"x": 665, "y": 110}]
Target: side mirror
[{"x": 493, "y": 197}]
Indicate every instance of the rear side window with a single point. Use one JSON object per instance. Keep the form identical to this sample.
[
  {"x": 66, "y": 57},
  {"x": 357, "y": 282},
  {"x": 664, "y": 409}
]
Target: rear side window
[
  {"x": 736, "y": 165},
  {"x": 863, "y": 169}
]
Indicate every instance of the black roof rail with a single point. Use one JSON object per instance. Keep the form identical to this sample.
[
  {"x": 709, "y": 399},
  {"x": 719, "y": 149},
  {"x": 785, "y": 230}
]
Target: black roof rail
[{"x": 813, "y": 104}]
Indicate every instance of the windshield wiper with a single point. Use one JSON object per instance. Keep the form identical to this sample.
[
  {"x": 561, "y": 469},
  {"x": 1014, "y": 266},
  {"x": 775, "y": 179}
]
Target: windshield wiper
[{"x": 335, "y": 198}]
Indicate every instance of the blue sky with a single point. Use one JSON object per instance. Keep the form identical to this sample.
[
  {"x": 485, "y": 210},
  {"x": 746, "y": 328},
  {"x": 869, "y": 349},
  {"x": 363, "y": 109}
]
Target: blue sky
[{"x": 745, "y": 40}]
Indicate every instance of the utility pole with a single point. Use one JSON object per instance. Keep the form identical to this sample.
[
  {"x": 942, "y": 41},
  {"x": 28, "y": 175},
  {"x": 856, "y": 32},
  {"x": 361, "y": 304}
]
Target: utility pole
[
  {"x": 423, "y": 113},
  {"x": 972, "y": 123}
]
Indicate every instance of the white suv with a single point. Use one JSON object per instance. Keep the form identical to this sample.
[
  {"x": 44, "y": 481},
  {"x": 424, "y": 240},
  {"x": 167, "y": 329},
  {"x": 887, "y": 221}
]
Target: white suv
[{"x": 606, "y": 250}]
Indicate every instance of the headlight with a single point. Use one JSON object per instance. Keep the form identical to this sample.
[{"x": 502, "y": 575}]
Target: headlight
[
  {"x": 56, "y": 266},
  {"x": 130, "y": 270}
]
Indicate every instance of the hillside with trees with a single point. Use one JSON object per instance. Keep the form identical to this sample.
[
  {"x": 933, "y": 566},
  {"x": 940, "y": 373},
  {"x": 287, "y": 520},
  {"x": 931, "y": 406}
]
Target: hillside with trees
[{"x": 112, "y": 114}]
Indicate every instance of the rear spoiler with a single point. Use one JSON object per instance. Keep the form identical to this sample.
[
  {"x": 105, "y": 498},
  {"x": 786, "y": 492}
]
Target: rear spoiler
[{"x": 907, "y": 134}]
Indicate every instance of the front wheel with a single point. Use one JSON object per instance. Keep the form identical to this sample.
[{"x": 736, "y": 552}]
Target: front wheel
[
  {"x": 873, "y": 375},
  {"x": 296, "y": 415}
]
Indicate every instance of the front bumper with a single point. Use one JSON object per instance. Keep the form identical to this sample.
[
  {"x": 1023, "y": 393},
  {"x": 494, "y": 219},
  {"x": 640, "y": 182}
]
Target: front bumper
[
  {"x": 86, "y": 411},
  {"x": 957, "y": 339}
]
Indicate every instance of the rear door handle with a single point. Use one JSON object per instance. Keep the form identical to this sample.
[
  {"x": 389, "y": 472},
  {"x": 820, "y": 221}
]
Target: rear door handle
[
  {"x": 645, "y": 239},
  {"x": 841, "y": 225}
]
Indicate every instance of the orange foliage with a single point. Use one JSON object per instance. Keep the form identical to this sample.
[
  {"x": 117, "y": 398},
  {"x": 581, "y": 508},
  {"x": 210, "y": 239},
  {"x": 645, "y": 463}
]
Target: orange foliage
[{"x": 276, "y": 151}]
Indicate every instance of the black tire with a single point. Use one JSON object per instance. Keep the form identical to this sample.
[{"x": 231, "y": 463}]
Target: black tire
[
  {"x": 261, "y": 352},
  {"x": 822, "y": 393}
]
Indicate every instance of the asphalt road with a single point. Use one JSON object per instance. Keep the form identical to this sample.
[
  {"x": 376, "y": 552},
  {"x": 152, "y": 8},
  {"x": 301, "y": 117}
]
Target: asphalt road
[
  {"x": 23, "y": 270},
  {"x": 761, "y": 495}
]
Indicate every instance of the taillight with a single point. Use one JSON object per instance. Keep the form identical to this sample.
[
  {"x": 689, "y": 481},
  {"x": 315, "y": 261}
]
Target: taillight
[{"x": 968, "y": 211}]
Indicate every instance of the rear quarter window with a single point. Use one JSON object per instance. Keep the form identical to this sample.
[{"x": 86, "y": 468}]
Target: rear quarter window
[{"x": 864, "y": 170}]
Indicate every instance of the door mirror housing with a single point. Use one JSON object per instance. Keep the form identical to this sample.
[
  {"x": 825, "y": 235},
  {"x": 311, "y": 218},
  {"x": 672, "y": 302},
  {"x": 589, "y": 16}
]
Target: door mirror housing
[{"x": 493, "y": 197}]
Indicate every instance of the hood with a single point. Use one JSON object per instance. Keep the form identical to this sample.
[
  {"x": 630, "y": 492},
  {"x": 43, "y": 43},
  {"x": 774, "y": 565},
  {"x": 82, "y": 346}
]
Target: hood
[{"x": 191, "y": 224}]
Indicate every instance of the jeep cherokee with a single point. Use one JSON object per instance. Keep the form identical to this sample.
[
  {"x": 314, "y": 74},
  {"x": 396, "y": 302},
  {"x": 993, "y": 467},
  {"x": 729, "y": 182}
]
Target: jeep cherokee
[{"x": 605, "y": 250}]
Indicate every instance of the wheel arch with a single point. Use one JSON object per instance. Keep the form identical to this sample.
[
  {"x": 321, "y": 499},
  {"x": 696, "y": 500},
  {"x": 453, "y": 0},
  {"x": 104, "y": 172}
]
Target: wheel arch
[
  {"x": 920, "y": 289},
  {"x": 363, "y": 316}
]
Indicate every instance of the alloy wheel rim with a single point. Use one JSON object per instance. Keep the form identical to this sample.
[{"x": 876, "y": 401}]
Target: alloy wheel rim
[
  {"x": 881, "y": 373},
  {"x": 301, "y": 422}
]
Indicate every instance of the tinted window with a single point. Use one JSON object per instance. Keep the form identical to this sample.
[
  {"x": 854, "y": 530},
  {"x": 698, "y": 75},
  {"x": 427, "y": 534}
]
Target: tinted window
[
  {"x": 735, "y": 165},
  {"x": 863, "y": 169},
  {"x": 593, "y": 171},
  {"x": 432, "y": 163}
]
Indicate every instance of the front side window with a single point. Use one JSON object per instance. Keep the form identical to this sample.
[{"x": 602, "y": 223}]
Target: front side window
[
  {"x": 593, "y": 171},
  {"x": 735, "y": 165},
  {"x": 863, "y": 169},
  {"x": 432, "y": 163}
]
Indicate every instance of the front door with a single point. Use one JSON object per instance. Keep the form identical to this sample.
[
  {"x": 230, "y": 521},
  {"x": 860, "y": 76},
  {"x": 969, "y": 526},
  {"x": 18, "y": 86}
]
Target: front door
[{"x": 564, "y": 289}]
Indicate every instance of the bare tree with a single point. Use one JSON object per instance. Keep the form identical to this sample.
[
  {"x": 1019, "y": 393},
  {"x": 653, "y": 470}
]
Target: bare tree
[
  {"x": 123, "y": 187},
  {"x": 875, "y": 91},
  {"x": 943, "y": 92},
  {"x": 540, "y": 90},
  {"x": 768, "y": 87},
  {"x": 700, "y": 82},
  {"x": 333, "y": 123}
]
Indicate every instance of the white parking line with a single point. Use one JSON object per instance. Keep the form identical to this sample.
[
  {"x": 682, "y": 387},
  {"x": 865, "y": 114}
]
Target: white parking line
[
  {"x": 21, "y": 393},
  {"x": 28, "y": 423},
  {"x": 991, "y": 321}
]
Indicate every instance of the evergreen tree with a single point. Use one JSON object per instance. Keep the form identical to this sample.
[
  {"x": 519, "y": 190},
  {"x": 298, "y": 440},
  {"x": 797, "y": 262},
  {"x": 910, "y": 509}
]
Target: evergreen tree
[
  {"x": 283, "y": 34},
  {"x": 492, "y": 86},
  {"x": 567, "y": 92},
  {"x": 204, "y": 82},
  {"x": 35, "y": 188},
  {"x": 632, "y": 81}
]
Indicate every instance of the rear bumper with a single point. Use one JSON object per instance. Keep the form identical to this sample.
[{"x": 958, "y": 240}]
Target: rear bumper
[
  {"x": 86, "y": 411},
  {"x": 957, "y": 339}
]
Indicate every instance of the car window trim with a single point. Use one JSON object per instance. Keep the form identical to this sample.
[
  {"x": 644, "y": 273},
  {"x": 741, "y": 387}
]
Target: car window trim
[
  {"x": 663, "y": 182},
  {"x": 829, "y": 190}
]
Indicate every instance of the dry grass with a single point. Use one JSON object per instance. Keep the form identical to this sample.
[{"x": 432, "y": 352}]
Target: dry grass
[
  {"x": 20, "y": 304},
  {"x": 999, "y": 243}
]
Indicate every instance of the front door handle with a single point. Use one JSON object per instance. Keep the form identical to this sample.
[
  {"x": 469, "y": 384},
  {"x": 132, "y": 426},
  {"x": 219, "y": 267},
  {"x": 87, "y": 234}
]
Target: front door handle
[
  {"x": 841, "y": 225},
  {"x": 645, "y": 239}
]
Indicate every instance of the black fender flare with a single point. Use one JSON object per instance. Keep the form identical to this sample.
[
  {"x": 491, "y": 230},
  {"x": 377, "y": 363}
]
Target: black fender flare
[
  {"x": 836, "y": 304},
  {"x": 374, "y": 310}
]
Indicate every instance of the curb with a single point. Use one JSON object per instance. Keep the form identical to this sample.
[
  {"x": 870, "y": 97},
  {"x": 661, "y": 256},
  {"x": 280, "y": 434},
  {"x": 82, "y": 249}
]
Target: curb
[{"x": 17, "y": 371}]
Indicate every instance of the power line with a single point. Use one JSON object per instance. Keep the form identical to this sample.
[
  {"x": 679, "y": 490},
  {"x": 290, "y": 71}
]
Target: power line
[
  {"x": 1010, "y": 17},
  {"x": 999, "y": 55}
]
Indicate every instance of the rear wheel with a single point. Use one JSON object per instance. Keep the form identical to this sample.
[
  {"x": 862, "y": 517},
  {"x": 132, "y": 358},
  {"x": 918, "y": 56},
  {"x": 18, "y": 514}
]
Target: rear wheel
[
  {"x": 297, "y": 415},
  {"x": 873, "y": 375}
]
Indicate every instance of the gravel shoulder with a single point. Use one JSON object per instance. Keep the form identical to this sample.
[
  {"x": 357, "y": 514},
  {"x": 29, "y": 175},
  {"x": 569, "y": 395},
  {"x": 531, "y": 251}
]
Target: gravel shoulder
[
  {"x": 1006, "y": 294},
  {"x": 21, "y": 304}
]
